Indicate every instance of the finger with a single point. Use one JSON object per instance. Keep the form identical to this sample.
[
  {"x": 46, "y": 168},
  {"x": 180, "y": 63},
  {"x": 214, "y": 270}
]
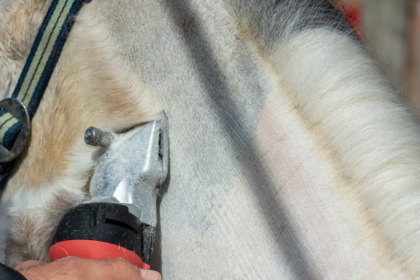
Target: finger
[
  {"x": 109, "y": 269},
  {"x": 121, "y": 269},
  {"x": 150, "y": 274},
  {"x": 28, "y": 264}
]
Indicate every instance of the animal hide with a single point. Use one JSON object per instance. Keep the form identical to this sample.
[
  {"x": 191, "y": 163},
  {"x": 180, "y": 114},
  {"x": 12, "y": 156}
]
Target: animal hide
[{"x": 292, "y": 155}]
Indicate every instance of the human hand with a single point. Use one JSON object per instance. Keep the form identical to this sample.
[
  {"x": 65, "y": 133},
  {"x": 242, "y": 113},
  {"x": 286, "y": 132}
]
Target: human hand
[{"x": 72, "y": 268}]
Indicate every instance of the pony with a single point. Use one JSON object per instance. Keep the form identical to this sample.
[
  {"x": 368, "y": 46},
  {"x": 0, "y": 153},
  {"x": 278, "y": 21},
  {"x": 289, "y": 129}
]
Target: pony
[{"x": 292, "y": 153}]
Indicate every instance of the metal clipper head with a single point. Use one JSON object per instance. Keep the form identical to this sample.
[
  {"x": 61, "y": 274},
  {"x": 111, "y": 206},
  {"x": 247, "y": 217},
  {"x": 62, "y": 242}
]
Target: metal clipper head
[{"x": 131, "y": 168}]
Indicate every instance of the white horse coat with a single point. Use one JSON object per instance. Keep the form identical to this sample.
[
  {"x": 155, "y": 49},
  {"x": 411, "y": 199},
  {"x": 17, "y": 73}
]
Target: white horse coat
[{"x": 291, "y": 154}]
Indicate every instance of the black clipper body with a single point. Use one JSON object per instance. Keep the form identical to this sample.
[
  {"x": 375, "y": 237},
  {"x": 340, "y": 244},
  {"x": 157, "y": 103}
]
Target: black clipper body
[{"x": 120, "y": 219}]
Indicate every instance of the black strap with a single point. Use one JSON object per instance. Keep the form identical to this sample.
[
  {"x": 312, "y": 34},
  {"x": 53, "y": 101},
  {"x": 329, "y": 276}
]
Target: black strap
[{"x": 7, "y": 273}]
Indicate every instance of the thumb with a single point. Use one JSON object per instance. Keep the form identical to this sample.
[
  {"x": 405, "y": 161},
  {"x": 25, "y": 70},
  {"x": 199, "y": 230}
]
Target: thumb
[
  {"x": 72, "y": 268},
  {"x": 28, "y": 264},
  {"x": 112, "y": 269},
  {"x": 119, "y": 269},
  {"x": 150, "y": 274}
]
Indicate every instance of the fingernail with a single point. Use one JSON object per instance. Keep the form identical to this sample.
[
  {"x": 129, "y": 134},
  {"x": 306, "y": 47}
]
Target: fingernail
[{"x": 150, "y": 274}]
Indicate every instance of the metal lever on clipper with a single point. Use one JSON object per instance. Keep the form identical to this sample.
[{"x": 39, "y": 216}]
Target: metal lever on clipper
[{"x": 120, "y": 218}]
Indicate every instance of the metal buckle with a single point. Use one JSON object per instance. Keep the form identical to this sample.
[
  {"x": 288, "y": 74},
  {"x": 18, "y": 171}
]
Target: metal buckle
[{"x": 18, "y": 110}]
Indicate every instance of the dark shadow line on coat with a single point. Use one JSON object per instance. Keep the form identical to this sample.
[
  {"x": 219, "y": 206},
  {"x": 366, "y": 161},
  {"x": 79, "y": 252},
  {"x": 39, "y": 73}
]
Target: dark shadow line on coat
[{"x": 240, "y": 140}]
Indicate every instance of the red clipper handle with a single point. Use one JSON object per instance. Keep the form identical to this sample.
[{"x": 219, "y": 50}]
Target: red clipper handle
[{"x": 90, "y": 249}]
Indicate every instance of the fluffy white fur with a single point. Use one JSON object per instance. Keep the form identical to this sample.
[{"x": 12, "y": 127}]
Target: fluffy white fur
[{"x": 364, "y": 126}]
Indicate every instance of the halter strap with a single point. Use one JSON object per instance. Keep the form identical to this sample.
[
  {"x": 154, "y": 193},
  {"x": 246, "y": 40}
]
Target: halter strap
[{"x": 15, "y": 112}]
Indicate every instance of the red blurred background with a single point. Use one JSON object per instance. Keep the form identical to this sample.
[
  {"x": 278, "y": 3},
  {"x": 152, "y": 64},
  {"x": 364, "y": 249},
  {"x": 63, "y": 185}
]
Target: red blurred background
[{"x": 391, "y": 30}]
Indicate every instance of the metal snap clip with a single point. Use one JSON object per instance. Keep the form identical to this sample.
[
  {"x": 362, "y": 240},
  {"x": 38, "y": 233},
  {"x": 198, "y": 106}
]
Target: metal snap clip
[{"x": 18, "y": 110}]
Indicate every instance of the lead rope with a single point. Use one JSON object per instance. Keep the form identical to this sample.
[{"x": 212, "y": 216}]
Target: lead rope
[{"x": 16, "y": 112}]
